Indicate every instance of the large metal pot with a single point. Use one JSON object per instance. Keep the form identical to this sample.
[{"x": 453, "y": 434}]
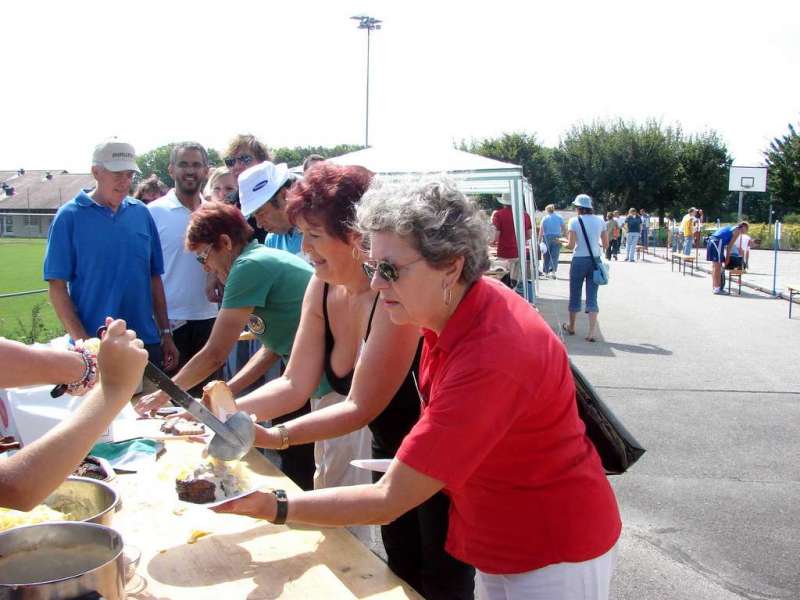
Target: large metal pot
[
  {"x": 56, "y": 561},
  {"x": 89, "y": 500}
]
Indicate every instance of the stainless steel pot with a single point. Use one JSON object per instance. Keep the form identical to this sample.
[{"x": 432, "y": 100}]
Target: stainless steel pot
[
  {"x": 55, "y": 561},
  {"x": 88, "y": 499}
]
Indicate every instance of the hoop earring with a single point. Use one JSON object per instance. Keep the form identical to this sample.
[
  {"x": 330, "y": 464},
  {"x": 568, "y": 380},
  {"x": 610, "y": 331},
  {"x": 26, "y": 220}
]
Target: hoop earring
[
  {"x": 448, "y": 296},
  {"x": 356, "y": 253}
]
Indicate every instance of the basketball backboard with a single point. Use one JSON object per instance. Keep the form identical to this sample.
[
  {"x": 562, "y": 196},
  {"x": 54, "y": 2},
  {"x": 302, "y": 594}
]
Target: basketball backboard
[{"x": 747, "y": 179}]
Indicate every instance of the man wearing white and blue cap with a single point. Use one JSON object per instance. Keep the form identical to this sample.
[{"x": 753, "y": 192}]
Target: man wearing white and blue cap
[
  {"x": 262, "y": 193},
  {"x": 104, "y": 258}
]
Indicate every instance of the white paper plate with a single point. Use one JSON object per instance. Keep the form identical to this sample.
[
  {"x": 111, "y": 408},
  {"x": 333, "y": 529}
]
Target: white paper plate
[
  {"x": 234, "y": 497},
  {"x": 380, "y": 465}
]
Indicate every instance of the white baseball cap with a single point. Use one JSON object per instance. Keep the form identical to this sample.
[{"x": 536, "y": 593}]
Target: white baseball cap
[
  {"x": 259, "y": 183},
  {"x": 583, "y": 200},
  {"x": 504, "y": 199},
  {"x": 114, "y": 155}
]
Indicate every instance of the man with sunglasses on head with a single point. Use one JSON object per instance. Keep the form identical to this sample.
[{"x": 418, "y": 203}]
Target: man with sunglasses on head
[
  {"x": 245, "y": 151},
  {"x": 103, "y": 258},
  {"x": 191, "y": 313}
]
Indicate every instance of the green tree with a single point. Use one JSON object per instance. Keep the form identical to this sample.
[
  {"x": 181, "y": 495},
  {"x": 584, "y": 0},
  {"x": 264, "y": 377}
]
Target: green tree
[
  {"x": 296, "y": 155},
  {"x": 702, "y": 177},
  {"x": 157, "y": 161},
  {"x": 537, "y": 161},
  {"x": 783, "y": 181}
]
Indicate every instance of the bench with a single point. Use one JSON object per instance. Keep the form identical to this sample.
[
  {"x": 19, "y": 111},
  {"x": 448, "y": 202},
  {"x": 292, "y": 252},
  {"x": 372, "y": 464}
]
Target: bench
[
  {"x": 794, "y": 288},
  {"x": 735, "y": 273},
  {"x": 690, "y": 260}
]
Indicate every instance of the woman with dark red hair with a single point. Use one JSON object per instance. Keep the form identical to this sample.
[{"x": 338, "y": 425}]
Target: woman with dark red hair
[
  {"x": 264, "y": 291},
  {"x": 346, "y": 335}
]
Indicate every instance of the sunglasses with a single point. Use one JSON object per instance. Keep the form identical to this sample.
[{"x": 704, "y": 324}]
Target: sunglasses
[
  {"x": 203, "y": 256},
  {"x": 245, "y": 159},
  {"x": 388, "y": 272}
]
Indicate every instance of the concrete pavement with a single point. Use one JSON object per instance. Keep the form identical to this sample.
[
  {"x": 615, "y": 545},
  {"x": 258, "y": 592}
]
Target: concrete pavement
[{"x": 711, "y": 386}]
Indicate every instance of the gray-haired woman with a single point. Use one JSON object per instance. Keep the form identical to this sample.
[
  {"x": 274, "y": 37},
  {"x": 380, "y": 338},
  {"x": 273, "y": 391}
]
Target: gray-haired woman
[{"x": 499, "y": 429}]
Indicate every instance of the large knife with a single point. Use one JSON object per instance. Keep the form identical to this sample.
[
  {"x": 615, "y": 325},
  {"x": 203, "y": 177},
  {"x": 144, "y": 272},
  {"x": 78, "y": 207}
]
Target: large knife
[{"x": 233, "y": 438}]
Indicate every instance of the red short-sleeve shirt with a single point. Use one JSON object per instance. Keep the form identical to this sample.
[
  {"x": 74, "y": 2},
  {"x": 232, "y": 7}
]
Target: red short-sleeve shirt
[
  {"x": 500, "y": 428},
  {"x": 503, "y": 220}
]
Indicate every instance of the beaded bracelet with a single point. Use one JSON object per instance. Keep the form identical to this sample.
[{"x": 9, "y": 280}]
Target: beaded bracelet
[{"x": 89, "y": 377}]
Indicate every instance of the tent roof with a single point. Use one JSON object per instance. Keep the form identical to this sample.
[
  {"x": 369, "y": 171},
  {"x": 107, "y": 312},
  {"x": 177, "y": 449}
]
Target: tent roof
[{"x": 400, "y": 160}]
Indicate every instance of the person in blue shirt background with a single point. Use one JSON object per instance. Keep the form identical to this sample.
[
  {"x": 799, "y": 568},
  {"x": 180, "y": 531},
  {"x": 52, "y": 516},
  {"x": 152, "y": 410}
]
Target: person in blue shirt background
[
  {"x": 720, "y": 244},
  {"x": 103, "y": 258},
  {"x": 552, "y": 229}
]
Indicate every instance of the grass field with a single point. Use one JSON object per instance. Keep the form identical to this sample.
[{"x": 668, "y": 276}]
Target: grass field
[{"x": 21, "y": 271}]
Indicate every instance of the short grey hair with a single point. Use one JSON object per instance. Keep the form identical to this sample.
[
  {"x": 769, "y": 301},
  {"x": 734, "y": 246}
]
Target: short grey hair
[
  {"x": 180, "y": 147},
  {"x": 434, "y": 216}
]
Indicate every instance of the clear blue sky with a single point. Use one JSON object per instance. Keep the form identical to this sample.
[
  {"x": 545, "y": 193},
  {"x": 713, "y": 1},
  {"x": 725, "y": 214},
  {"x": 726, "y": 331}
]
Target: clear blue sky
[{"x": 293, "y": 73}]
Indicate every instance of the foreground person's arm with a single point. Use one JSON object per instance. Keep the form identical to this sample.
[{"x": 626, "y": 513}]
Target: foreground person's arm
[
  {"x": 390, "y": 351},
  {"x": 398, "y": 491},
  {"x": 34, "y": 472},
  {"x": 28, "y": 365}
]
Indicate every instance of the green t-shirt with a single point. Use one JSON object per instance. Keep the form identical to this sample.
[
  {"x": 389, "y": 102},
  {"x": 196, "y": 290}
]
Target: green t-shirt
[{"x": 273, "y": 282}]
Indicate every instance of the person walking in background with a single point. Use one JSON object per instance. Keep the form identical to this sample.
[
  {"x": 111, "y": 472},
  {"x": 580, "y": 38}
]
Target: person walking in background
[
  {"x": 687, "y": 230},
  {"x": 506, "y": 239},
  {"x": 613, "y": 231},
  {"x": 620, "y": 219},
  {"x": 583, "y": 264},
  {"x": 699, "y": 221},
  {"x": 552, "y": 228},
  {"x": 191, "y": 314},
  {"x": 633, "y": 224},
  {"x": 103, "y": 258},
  {"x": 645, "y": 228}
]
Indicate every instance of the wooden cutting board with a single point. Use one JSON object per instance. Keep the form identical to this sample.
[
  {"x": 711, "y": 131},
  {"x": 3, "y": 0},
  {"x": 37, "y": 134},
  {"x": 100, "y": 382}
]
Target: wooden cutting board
[{"x": 239, "y": 557}]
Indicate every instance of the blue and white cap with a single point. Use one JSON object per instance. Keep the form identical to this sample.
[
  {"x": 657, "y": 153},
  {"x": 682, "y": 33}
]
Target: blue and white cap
[
  {"x": 259, "y": 183},
  {"x": 583, "y": 200}
]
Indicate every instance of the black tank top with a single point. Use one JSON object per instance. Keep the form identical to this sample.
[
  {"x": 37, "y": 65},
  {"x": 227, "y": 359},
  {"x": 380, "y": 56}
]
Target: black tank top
[{"x": 396, "y": 420}]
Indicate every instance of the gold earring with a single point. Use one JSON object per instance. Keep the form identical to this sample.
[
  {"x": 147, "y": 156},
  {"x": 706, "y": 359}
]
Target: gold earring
[
  {"x": 356, "y": 253},
  {"x": 448, "y": 296}
]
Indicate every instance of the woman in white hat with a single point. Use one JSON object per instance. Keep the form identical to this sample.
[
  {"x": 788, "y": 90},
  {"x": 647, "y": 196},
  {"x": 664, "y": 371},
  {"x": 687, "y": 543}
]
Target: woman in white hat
[{"x": 586, "y": 227}]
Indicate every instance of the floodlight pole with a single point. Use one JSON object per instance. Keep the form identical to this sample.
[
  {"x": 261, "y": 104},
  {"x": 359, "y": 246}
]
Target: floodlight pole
[{"x": 370, "y": 24}]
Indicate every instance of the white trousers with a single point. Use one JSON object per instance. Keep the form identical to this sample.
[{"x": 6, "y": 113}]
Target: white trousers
[
  {"x": 589, "y": 580},
  {"x": 333, "y": 456}
]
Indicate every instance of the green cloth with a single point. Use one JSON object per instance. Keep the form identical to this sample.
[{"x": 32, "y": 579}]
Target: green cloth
[
  {"x": 128, "y": 455},
  {"x": 271, "y": 282}
]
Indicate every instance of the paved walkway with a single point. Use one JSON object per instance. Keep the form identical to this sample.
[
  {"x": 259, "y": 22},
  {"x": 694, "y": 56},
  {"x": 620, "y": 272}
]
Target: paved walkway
[{"x": 711, "y": 386}]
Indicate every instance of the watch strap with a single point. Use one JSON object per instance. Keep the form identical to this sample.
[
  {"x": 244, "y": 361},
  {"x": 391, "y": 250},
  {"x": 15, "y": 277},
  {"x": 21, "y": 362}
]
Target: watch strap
[{"x": 281, "y": 507}]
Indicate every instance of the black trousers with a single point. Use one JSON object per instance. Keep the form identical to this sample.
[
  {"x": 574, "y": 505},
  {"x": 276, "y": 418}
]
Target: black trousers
[
  {"x": 414, "y": 544},
  {"x": 189, "y": 339}
]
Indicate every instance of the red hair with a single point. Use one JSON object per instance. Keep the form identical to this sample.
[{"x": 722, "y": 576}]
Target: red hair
[
  {"x": 328, "y": 196},
  {"x": 213, "y": 219}
]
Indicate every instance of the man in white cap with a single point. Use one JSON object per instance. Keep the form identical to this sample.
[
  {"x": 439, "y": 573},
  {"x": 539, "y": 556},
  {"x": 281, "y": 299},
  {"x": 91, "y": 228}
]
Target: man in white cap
[
  {"x": 103, "y": 258},
  {"x": 262, "y": 193}
]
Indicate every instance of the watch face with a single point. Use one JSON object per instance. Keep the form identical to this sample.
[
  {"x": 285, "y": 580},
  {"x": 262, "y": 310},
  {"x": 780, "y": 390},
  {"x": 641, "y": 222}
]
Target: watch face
[{"x": 256, "y": 324}]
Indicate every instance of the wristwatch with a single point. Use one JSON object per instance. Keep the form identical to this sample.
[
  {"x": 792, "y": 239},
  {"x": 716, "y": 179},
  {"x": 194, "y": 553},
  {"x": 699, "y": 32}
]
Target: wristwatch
[
  {"x": 281, "y": 507},
  {"x": 284, "y": 436},
  {"x": 166, "y": 331}
]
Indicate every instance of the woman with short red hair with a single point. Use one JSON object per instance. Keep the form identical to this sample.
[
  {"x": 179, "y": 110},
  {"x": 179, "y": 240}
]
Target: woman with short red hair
[{"x": 264, "y": 291}]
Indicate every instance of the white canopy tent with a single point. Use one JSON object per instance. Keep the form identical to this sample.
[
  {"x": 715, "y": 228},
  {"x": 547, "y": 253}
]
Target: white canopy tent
[{"x": 474, "y": 174}]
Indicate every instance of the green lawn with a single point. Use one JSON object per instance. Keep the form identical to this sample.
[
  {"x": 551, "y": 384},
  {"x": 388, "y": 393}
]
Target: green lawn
[{"x": 21, "y": 271}]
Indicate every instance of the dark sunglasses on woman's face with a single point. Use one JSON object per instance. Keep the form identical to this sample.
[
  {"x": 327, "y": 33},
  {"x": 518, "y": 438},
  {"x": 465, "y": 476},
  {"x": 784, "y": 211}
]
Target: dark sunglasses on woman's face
[
  {"x": 245, "y": 159},
  {"x": 388, "y": 272},
  {"x": 203, "y": 256}
]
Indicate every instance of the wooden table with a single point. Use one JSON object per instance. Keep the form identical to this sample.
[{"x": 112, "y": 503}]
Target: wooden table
[{"x": 239, "y": 557}]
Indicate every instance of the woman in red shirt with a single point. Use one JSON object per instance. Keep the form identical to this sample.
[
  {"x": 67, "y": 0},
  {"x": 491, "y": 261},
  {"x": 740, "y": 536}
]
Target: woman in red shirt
[{"x": 531, "y": 507}]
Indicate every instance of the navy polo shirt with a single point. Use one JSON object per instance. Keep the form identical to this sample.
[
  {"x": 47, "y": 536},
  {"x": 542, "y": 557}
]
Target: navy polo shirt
[{"x": 107, "y": 259}]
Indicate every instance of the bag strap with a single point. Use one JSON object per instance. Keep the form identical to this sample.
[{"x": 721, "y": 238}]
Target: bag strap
[{"x": 586, "y": 237}]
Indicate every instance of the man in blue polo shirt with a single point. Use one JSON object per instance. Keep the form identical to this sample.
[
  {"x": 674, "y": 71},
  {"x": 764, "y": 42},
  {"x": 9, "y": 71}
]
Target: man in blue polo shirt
[{"x": 103, "y": 258}]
